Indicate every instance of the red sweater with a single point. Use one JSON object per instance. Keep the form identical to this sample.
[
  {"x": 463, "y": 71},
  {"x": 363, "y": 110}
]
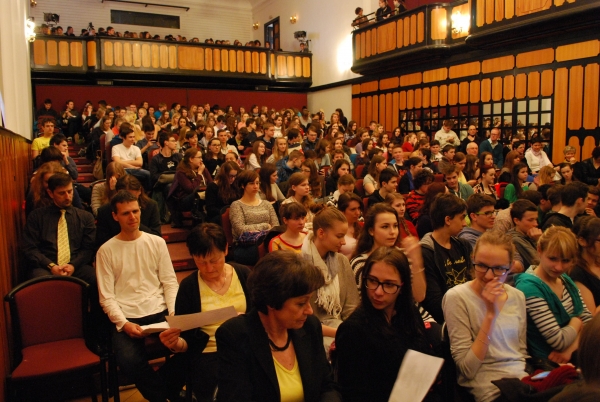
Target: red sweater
[{"x": 414, "y": 202}]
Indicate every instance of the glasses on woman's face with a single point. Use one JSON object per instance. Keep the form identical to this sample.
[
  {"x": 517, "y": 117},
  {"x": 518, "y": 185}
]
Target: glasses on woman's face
[
  {"x": 389, "y": 288},
  {"x": 232, "y": 176},
  {"x": 497, "y": 271}
]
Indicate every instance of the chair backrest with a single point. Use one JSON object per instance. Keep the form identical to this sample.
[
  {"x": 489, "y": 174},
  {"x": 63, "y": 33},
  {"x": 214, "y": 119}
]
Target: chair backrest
[
  {"x": 108, "y": 153},
  {"x": 501, "y": 189},
  {"x": 48, "y": 309},
  {"x": 358, "y": 170},
  {"x": 226, "y": 223},
  {"x": 358, "y": 186},
  {"x": 152, "y": 154},
  {"x": 366, "y": 203},
  {"x": 438, "y": 177},
  {"x": 103, "y": 143}
]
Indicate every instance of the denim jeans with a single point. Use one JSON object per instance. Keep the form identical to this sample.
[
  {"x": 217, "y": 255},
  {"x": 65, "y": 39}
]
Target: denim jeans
[{"x": 142, "y": 175}]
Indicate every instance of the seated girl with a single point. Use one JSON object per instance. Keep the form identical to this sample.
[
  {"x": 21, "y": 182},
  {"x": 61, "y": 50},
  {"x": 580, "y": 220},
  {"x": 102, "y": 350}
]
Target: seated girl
[{"x": 293, "y": 216}]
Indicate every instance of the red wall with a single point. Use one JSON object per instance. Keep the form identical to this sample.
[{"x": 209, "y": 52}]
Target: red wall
[{"x": 123, "y": 96}]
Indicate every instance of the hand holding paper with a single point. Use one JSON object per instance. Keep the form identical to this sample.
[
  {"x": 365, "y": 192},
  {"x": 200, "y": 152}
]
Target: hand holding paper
[{"x": 417, "y": 374}]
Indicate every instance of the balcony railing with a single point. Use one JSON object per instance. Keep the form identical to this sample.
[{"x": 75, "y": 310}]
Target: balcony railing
[{"x": 108, "y": 55}]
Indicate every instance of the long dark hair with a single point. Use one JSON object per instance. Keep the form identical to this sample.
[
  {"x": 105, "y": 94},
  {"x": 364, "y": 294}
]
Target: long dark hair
[
  {"x": 265, "y": 180},
  {"x": 365, "y": 240},
  {"x": 514, "y": 178},
  {"x": 314, "y": 181},
  {"x": 227, "y": 192},
  {"x": 343, "y": 204},
  {"x": 407, "y": 322},
  {"x": 433, "y": 190},
  {"x": 184, "y": 166}
]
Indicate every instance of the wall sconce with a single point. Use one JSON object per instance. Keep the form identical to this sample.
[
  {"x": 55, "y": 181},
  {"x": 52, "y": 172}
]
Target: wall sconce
[
  {"x": 255, "y": 26},
  {"x": 30, "y": 30},
  {"x": 293, "y": 19},
  {"x": 460, "y": 23},
  {"x": 32, "y": 3}
]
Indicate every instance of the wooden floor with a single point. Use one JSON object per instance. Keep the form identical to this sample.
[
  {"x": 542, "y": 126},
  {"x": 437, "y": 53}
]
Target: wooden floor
[{"x": 127, "y": 395}]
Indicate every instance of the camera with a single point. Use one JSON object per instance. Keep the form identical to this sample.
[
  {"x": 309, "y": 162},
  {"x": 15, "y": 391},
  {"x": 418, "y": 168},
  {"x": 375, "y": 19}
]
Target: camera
[
  {"x": 90, "y": 26},
  {"x": 299, "y": 34},
  {"x": 51, "y": 18}
]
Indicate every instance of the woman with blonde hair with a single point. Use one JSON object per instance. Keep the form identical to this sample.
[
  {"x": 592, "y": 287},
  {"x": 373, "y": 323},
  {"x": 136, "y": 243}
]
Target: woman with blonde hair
[
  {"x": 556, "y": 312},
  {"x": 280, "y": 151},
  {"x": 103, "y": 192}
]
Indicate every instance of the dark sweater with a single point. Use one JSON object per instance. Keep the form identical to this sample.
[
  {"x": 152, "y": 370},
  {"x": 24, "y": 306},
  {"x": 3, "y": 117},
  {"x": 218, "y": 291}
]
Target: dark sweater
[{"x": 557, "y": 219}]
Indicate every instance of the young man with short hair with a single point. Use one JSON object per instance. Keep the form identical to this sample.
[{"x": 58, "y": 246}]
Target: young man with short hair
[
  {"x": 588, "y": 170},
  {"x": 434, "y": 147},
  {"x": 447, "y": 258},
  {"x": 398, "y": 162},
  {"x": 59, "y": 141},
  {"x": 448, "y": 152},
  {"x": 47, "y": 126},
  {"x": 388, "y": 182},
  {"x": 592, "y": 201},
  {"x": 416, "y": 198},
  {"x": 294, "y": 140},
  {"x": 147, "y": 144},
  {"x": 446, "y": 136},
  {"x": 573, "y": 198},
  {"x": 482, "y": 213},
  {"x": 223, "y": 136},
  {"x": 167, "y": 159},
  {"x": 463, "y": 191},
  {"x": 268, "y": 134},
  {"x": 345, "y": 184},
  {"x": 526, "y": 233},
  {"x": 130, "y": 156},
  {"x": 414, "y": 165},
  {"x": 289, "y": 165},
  {"x": 310, "y": 142}
]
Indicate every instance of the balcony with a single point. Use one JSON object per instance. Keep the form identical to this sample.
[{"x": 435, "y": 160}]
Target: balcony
[{"x": 108, "y": 58}]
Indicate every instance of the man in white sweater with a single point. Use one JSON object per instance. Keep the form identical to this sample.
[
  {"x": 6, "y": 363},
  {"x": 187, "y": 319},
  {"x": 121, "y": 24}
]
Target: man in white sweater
[{"x": 138, "y": 286}]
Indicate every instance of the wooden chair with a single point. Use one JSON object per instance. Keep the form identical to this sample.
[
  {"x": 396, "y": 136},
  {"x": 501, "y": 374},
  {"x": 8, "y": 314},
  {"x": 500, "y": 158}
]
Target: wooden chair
[
  {"x": 359, "y": 189},
  {"x": 50, "y": 317},
  {"x": 366, "y": 203},
  {"x": 358, "y": 171},
  {"x": 226, "y": 223},
  {"x": 501, "y": 189},
  {"x": 152, "y": 154}
]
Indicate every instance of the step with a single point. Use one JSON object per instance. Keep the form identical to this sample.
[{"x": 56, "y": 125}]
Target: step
[
  {"x": 85, "y": 168},
  {"x": 81, "y": 160},
  {"x": 174, "y": 235},
  {"x": 86, "y": 177},
  {"x": 180, "y": 256}
]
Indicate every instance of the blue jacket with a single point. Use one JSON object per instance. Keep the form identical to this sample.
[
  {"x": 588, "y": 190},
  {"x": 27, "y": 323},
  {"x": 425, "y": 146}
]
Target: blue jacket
[{"x": 496, "y": 152}]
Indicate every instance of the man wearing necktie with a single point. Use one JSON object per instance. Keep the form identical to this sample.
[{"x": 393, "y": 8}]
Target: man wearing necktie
[{"x": 59, "y": 239}]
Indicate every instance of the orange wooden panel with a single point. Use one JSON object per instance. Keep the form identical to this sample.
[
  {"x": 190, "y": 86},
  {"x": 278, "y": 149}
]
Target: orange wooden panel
[
  {"x": 410, "y": 79},
  {"x": 435, "y": 96},
  {"x": 399, "y": 33},
  {"x": 463, "y": 9},
  {"x": 420, "y": 27},
  {"x": 382, "y": 109},
  {"x": 413, "y": 29},
  {"x": 395, "y": 107},
  {"x": 497, "y": 88},
  {"x": 499, "y": 12},
  {"x": 386, "y": 37},
  {"x": 489, "y": 11},
  {"x": 188, "y": 57},
  {"x": 418, "y": 98},
  {"x": 426, "y": 97},
  {"x": 164, "y": 56},
  {"x": 76, "y": 51},
  {"x": 368, "y": 43},
  {"x": 225, "y": 61},
  {"x": 525, "y": 7},
  {"x": 498, "y": 64},
  {"x": 438, "y": 24},
  {"x": 559, "y": 3},
  {"x": 356, "y": 110},
  {"x": 533, "y": 84},
  {"x": 39, "y": 52},
  {"x": 52, "y": 51},
  {"x": 263, "y": 64},
  {"x": 233, "y": 61},
  {"x": 370, "y": 86},
  {"x": 63, "y": 53},
  {"x": 306, "y": 69},
  {"x": 91, "y": 54},
  {"x": 146, "y": 55},
  {"x": 137, "y": 54},
  {"x": 256, "y": 63},
  {"x": 118, "y": 51},
  {"x": 463, "y": 93},
  {"x": 535, "y": 58},
  {"x": 443, "y": 95},
  {"x": 438, "y": 74},
  {"x": 474, "y": 91},
  {"x": 375, "y": 111},
  {"x": 357, "y": 47},
  {"x": 298, "y": 66},
  {"x": 402, "y": 100},
  {"x": 355, "y": 89},
  {"x": 108, "y": 54},
  {"x": 452, "y": 94},
  {"x": 363, "y": 111},
  {"x": 374, "y": 42},
  {"x": 509, "y": 9},
  {"x": 590, "y": 97},
  {"x": 406, "y": 31},
  {"x": 369, "y": 109},
  {"x": 547, "y": 82},
  {"x": 173, "y": 57},
  {"x": 217, "y": 60},
  {"x": 410, "y": 99},
  {"x": 127, "y": 54},
  {"x": 509, "y": 87},
  {"x": 486, "y": 90},
  {"x": 464, "y": 70},
  {"x": 389, "y": 83},
  {"x": 480, "y": 16},
  {"x": 240, "y": 62},
  {"x": 577, "y": 50},
  {"x": 208, "y": 59},
  {"x": 575, "y": 98},
  {"x": 363, "y": 45},
  {"x": 290, "y": 65},
  {"x": 521, "y": 86},
  {"x": 248, "y": 63},
  {"x": 389, "y": 112},
  {"x": 589, "y": 143},
  {"x": 559, "y": 130}
]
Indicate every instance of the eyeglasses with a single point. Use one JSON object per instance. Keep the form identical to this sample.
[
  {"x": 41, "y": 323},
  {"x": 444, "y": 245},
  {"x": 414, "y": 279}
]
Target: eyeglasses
[
  {"x": 497, "y": 271},
  {"x": 232, "y": 176},
  {"x": 489, "y": 214},
  {"x": 389, "y": 288}
]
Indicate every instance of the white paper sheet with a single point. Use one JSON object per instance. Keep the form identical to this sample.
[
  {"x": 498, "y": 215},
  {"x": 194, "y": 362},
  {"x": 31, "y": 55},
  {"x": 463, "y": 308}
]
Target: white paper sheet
[
  {"x": 190, "y": 321},
  {"x": 417, "y": 373},
  {"x": 152, "y": 328}
]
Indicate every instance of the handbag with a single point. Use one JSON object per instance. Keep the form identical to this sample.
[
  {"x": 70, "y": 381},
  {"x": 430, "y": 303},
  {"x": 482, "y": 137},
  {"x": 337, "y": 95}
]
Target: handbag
[
  {"x": 252, "y": 238},
  {"x": 97, "y": 171}
]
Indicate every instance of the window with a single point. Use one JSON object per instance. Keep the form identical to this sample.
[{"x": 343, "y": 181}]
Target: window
[{"x": 145, "y": 19}]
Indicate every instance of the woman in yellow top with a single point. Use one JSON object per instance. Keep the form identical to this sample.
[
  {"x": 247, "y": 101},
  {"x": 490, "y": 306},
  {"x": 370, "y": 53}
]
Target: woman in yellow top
[
  {"x": 215, "y": 285},
  {"x": 274, "y": 353}
]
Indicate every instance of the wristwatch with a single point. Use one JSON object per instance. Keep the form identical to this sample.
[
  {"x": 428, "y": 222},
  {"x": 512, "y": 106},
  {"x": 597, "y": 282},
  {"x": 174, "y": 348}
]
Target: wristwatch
[{"x": 51, "y": 265}]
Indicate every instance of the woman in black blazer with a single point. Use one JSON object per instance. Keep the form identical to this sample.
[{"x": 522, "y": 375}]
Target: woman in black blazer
[
  {"x": 279, "y": 339},
  {"x": 215, "y": 284}
]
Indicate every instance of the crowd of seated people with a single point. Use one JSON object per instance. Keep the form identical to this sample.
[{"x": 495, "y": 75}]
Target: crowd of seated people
[{"x": 358, "y": 256}]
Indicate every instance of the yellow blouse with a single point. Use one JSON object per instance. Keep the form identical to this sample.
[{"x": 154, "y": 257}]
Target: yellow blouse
[
  {"x": 211, "y": 300},
  {"x": 290, "y": 382}
]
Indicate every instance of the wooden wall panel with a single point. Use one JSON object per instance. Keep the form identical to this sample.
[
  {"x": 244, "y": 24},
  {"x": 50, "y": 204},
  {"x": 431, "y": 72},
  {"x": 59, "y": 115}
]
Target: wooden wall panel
[
  {"x": 374, "y": 43},
  {"x": 521, "y": 86},
  {"x": 590, "y": 97},
  {"x": 489, "y": 11},
  {"x": 535, "y": 58},
  {"x": 173, "y": 57},
  {"x": 363, "y": 45},
  {"x": 389, "y": 83},
  {"x": 438, "y": 24},
  {"x": 356, "y": 110},
  {"x": 509, "y": 87},
  {"x": 395, "y": 107},
  {"x": 533, "y": 84},
  {"x": 136, "y": 50},
  {"x": 369, "y": 109},
  {"x": 410, "y": 99},
  {"x": 375, "y": 111},
  {"x": 306, "y": 68},
  {"x": 164, "y": 56},
  {"x": 486, "y": 90},
  {"x": 498, "y": 64},
  {"x": 357, "y": 47},
  {"x": 52, "y": 52},
  {"x": 63, "y": 53},
  {"x": 463, "y": 93},
  {"x": 402, "y": 100},
  {"x": 497, "y": 87},
  {"x": 474, "y": 91},
  {"x": 406, "y": 33},
  {"x": 452, "y": 94},
  {"x": 413, "y": 29},
  {"x": 418, "y": 98},
  {"x": 464, "y": 70},
  {"x": 382, "y": 110},
  {"x": 499, "y": 11},
  {"x": 289, "y": 62},
  {"x": 559, "y": 134},
  {"x": 217, "y": 65},
  {"x": 399, "y": 33},
  {"x": 389, "y": 108},
  {"x": 589, "y": 143},
  {"x": 577, "y": 50},
  {"x": 420, "y": 27},
  {"x": 370, "y": 86},
  {"x": 443, "y": 94},
  {"x": 146, "y": 55},
  {"x": 108, "y": 54},
  {"x": 155, "y": 55},
  {"x": 509, "y": 9},
  {"x": 480, "y": 16},
  {"x": 547, "y": 83},
  {"x": 118, "y": 53},
  {"x": 575, "y": 97},
  {"x": 410, "y": 79},
  {"x": 525, "y": 7},
  {"x": 127, "y": 54},
  {"x": 355, "y": 89},
  {"x": 39, "y": 52},
  {"x": 438, "y": 74},
  {"x": 248, "y": 63},
  {"x": 208, "y": 60},
  {"x": 435, "y": 96},
  {"x": 91, "y": 54},
  {"x": 426, "y": 97},
  {"x": 297, "y": 66},
  {"x": 363, "y": 111},
  {"x": 368, "y": 44},
  {"x": 225, "y": 61},
  {"x": 386, "y": 38},
  {"x": 76, "y": 50}
]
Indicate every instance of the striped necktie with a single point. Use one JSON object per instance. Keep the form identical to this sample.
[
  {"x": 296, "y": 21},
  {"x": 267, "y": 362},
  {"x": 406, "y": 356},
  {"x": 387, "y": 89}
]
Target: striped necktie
[{"x": 64, "y": 250}]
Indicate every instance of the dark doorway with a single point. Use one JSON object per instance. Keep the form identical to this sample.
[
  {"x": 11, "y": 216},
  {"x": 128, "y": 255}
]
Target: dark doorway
[{"x": 272, "y": 33}]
